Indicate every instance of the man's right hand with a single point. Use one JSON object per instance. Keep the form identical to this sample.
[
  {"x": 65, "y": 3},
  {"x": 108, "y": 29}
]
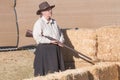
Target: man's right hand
[{"x": 58, "y": 43}]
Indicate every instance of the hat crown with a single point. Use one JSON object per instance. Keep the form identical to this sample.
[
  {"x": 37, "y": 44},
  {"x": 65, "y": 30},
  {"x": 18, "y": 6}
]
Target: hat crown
[{"x": 44, "y": 5}]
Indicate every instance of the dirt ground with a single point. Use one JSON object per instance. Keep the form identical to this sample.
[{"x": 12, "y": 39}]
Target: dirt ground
[{"x": 16, "y": 65}]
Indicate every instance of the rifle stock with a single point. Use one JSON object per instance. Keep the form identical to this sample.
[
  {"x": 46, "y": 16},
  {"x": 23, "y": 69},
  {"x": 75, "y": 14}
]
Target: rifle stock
[{"x": 29, "y": 33}]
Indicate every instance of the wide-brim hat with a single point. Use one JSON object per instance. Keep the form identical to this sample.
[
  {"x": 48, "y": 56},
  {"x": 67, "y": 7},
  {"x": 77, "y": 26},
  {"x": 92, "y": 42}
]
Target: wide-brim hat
[{"x": 44, "y": 6}]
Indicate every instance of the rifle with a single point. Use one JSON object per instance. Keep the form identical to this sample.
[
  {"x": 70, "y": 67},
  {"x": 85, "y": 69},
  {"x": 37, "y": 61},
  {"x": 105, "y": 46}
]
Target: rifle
[{"x": 82, "y": 56}]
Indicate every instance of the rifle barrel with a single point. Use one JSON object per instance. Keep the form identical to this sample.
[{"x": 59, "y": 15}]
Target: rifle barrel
[{"x": 82, "y": 56}]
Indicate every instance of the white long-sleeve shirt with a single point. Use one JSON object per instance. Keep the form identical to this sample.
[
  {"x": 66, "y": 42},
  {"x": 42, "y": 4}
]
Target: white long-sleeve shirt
[{"x": 43, "y": 27}]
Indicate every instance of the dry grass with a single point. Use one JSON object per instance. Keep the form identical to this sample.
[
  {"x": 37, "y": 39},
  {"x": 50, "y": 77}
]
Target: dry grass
[{"x": 16, "y": 65}]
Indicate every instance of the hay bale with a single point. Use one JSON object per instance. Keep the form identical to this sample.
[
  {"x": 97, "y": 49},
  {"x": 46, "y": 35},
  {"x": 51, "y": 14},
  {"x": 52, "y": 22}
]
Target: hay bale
[
  {"x": 105, "y": 71},
  {"x": 83, "y": 41},
  {"x": 73, "y": 75},
  {"x": 108, "y": 43},
  {"x": 81, "y": 76},
  {"x": 101, "y": 71},
  {"x": 77, "y": 74},
  {"x": 109, "y": 72},
  {"x": 118, "y": 63}
]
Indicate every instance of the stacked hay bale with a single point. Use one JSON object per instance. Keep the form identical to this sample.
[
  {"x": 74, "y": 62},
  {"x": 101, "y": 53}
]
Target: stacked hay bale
[
  {"x": 108, "y": 39},
  {"x": 77, "y": 74},
  {"x": 104, "y": 71},
  {"x": 81, "y": 40},
  {"x": 101, "y": 71}
]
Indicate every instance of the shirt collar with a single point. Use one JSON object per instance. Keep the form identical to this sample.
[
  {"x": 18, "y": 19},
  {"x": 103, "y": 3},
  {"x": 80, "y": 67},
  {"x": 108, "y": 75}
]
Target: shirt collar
[{"x": 46, "y": 21}]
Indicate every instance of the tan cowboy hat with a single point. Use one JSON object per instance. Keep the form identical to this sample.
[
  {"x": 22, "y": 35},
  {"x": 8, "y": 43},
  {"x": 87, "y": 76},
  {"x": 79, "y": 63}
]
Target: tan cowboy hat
[{"x": 44, "y": 6}]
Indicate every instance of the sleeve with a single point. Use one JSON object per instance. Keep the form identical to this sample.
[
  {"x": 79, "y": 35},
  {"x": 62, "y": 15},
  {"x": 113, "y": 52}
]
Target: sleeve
[
  {"x": 62, "y": 40},
  {"x": 37, "y": 34}
]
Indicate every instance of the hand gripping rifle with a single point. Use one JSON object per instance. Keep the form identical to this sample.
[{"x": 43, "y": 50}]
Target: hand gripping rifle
[{"x": 82, "y": 56}]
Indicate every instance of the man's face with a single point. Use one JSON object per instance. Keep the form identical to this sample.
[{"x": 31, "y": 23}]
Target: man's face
[{"x": 47, "y": 13}]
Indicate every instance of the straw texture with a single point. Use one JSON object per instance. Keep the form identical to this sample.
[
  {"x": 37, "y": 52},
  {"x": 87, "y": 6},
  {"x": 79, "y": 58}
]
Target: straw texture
[{"x": 108, "y": 43}]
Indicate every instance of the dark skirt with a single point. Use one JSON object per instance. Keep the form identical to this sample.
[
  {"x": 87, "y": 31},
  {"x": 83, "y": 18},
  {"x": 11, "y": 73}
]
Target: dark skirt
[{"x": 48, "y": 59}]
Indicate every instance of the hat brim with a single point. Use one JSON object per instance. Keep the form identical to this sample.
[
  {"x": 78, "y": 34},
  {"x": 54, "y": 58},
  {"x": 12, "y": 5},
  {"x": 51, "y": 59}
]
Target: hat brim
[{"x": 39, "y": 11}]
